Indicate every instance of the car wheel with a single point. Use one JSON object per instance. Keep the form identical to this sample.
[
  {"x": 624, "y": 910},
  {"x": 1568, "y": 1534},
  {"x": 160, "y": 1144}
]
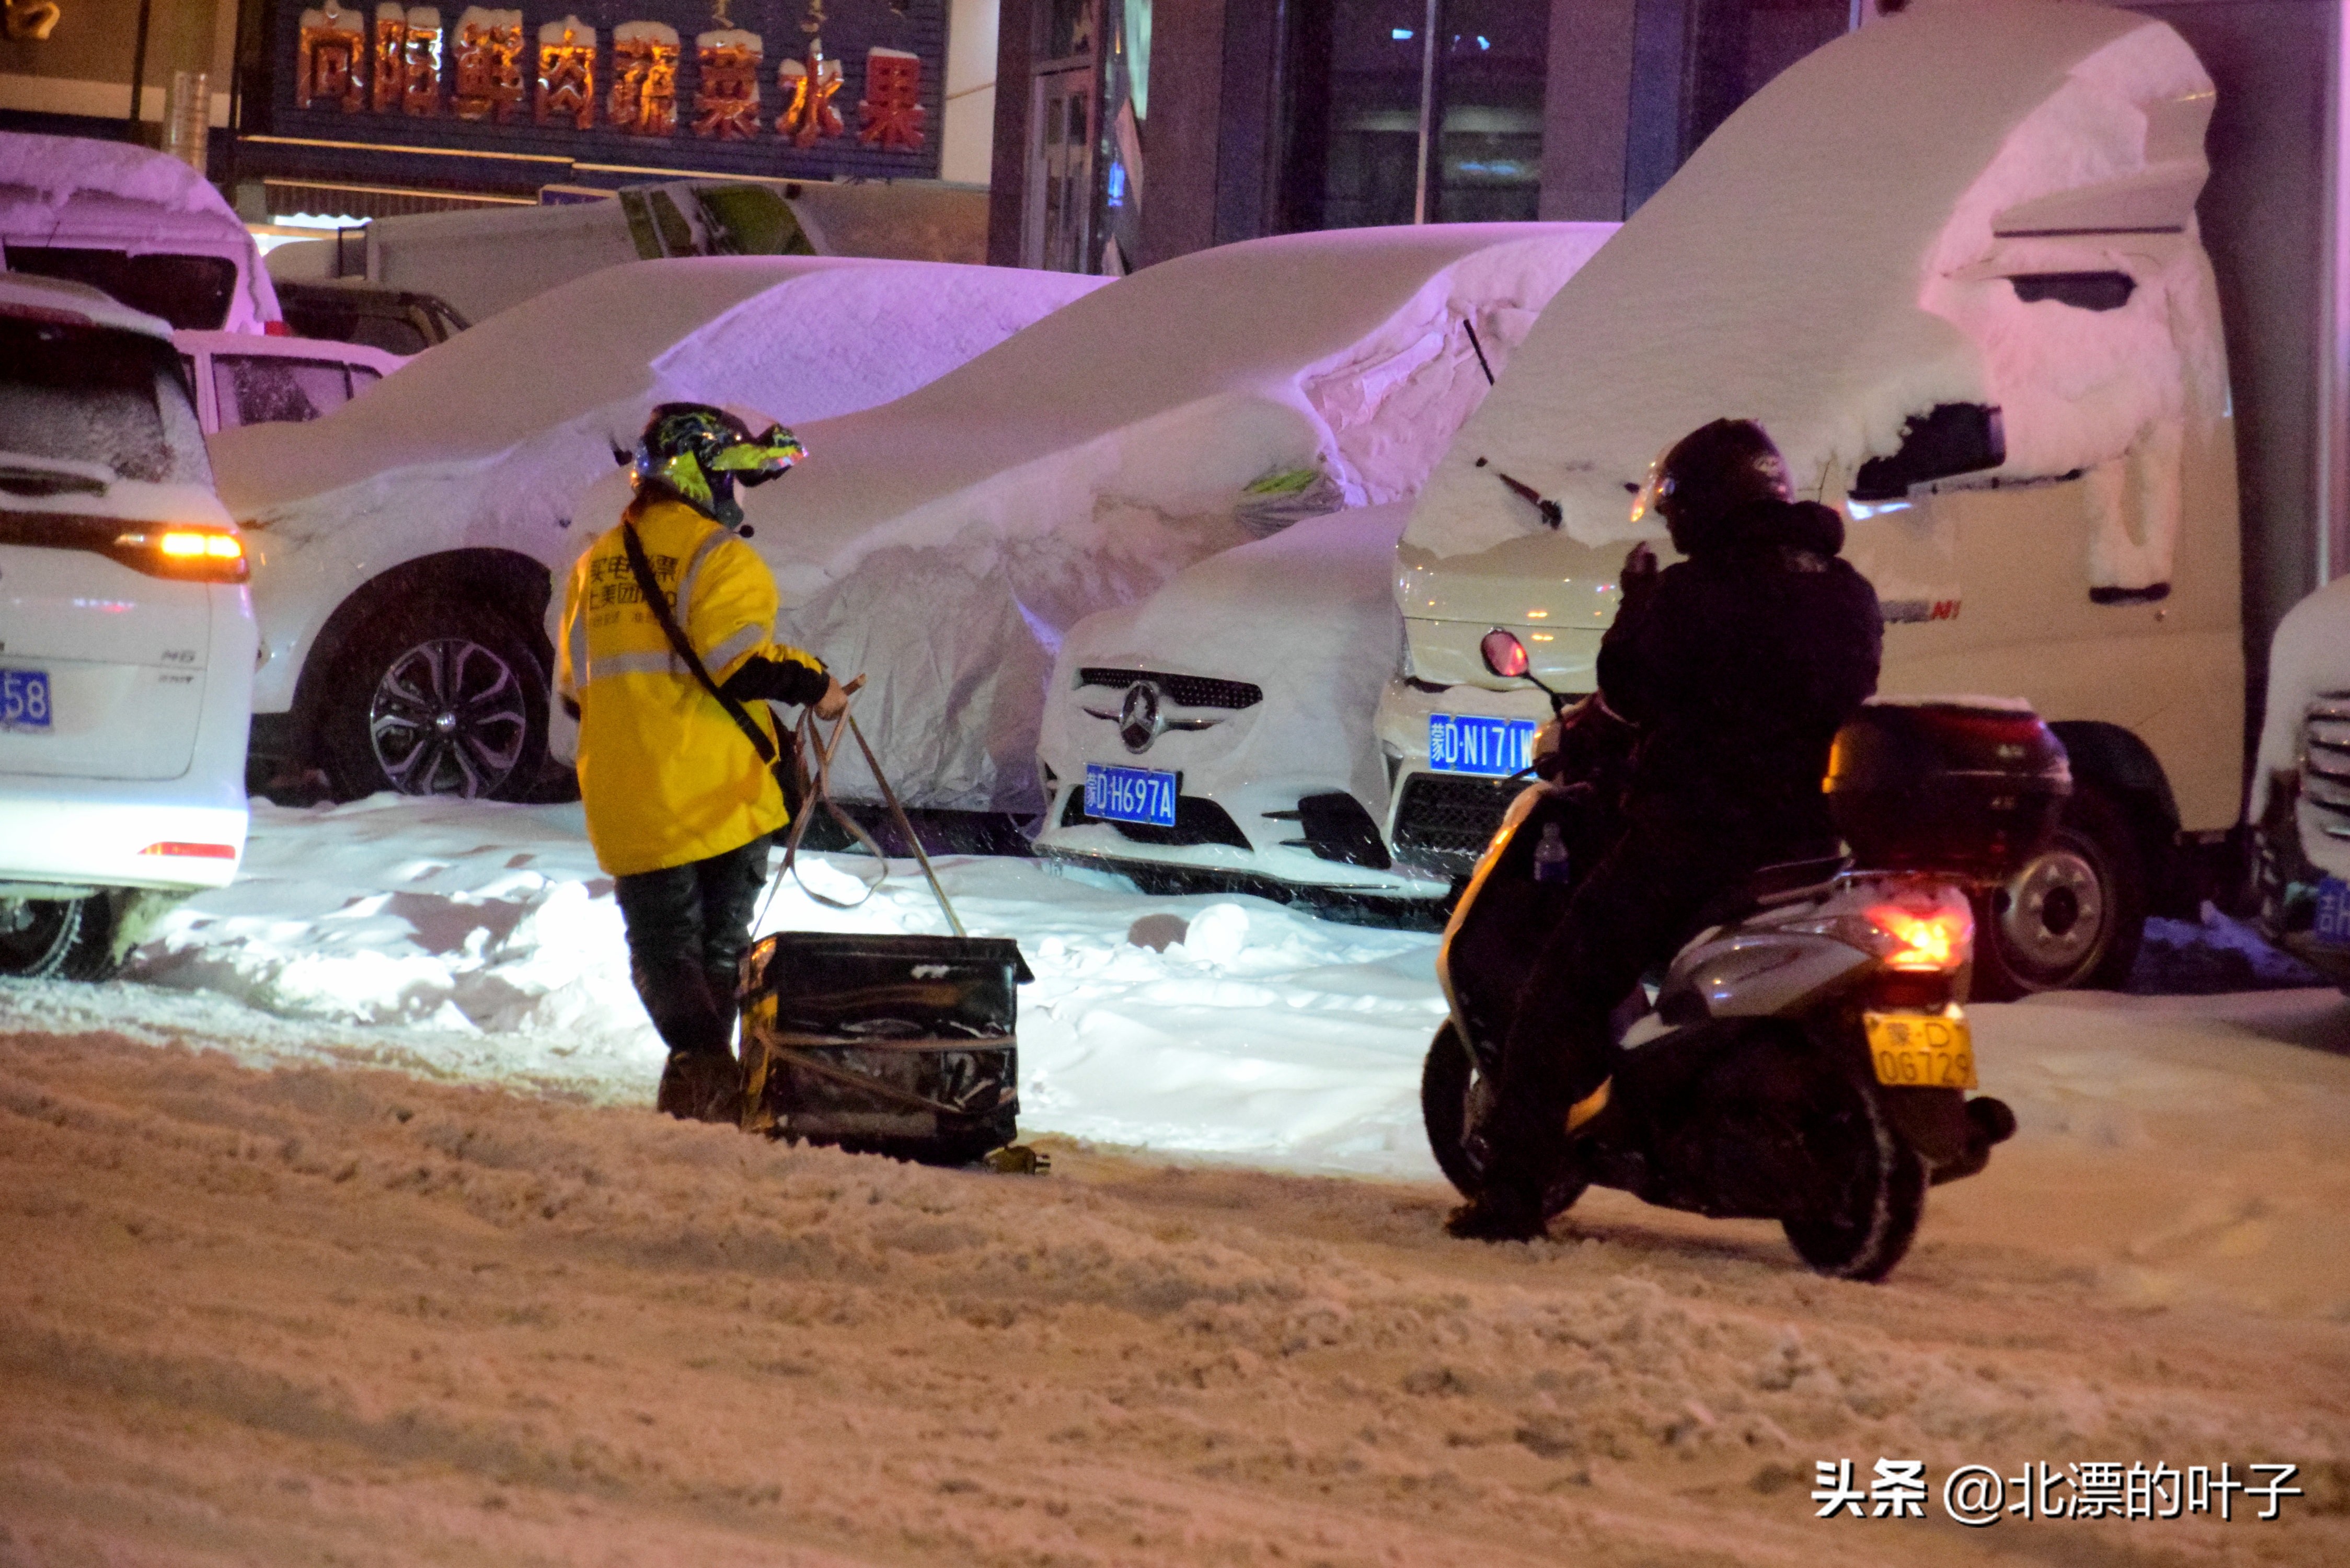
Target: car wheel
[
  {"x": 57, "y": 939},
  {"x": 442, "y": 699},
  {"x": 2074, "y": 914}
]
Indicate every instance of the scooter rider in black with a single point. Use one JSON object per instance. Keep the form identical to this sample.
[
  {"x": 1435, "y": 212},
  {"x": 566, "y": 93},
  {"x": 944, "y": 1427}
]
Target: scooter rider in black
[{"x": 1735, "y": 667}]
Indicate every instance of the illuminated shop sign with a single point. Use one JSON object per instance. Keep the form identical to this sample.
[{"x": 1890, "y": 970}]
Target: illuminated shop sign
[{"x": 792, "y": 88}]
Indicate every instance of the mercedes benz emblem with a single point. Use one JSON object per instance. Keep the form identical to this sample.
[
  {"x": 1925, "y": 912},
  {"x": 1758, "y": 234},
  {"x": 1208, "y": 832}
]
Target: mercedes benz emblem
[{"x": 1140, "y": 721}]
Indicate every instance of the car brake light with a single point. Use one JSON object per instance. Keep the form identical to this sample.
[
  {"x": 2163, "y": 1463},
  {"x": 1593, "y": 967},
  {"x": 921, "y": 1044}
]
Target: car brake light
[
  {"x": 277, "y": 329},
  {"x": 205, "y": 554},
  {"x": 1923, "y": 943},
  {"x": 192, "y": 851}
]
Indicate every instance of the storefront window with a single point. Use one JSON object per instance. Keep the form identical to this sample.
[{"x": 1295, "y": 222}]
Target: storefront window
[{"x": 1489, "y": 165}]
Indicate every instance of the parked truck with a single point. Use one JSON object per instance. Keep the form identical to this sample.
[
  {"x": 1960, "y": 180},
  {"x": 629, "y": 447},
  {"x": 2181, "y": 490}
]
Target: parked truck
[{"x": 1956, "y": 263}]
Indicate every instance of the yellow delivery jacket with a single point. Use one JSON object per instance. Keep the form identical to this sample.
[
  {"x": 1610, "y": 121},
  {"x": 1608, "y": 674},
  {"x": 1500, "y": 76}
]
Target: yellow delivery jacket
[{"x": 666, "y": 776}]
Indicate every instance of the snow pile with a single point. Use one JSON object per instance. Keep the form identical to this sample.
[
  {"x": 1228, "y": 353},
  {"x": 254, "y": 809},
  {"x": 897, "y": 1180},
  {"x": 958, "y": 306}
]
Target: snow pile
[
  {"x": 1307, "y": 616},
  {"x": 945, "y": 543},
  {"x": 483, "y": 941},
  {"x": 57, "y": 169},
  {"x": 2309, "y": 657},
  {"x": 1835, "y": 261}
]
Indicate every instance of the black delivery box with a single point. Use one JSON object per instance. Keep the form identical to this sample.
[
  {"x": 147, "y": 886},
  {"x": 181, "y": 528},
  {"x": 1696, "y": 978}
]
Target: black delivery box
[{"x": 893, "y": 1044}]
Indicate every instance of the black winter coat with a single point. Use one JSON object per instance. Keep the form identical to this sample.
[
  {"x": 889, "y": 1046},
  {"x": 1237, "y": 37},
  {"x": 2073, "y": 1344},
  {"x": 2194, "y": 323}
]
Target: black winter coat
[{"x": 1739, "y": 667}]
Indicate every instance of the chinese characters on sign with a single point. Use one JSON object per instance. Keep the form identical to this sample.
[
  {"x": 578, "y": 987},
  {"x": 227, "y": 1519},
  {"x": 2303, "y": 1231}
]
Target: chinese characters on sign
[
  {"x": 1979, "y": 1495},
  {"x": 567, "y": 74},
  {"x": 488, "y": 67}
]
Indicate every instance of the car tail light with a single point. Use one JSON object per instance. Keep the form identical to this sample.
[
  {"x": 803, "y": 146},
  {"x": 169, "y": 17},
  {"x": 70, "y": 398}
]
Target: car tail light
[
  {"x": 184, "y": 850},
  {"x": 202, "y": 554},
  {"x": 1923, "y": 941},
  {"x": 277, "y": 329}
]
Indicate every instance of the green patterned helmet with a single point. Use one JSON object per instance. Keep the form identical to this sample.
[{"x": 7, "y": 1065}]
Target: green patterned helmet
[{"x": 696, "y": 452}]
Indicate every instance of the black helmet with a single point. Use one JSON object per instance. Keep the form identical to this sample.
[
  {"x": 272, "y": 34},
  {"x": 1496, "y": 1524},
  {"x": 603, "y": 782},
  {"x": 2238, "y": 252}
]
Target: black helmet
[
  {"x": 696, "y": 452},
  {"x": 1707, "y": 475}
]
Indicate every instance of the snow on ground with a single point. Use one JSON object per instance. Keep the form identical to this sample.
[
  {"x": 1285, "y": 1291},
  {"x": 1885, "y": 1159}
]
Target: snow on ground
[{"x": 341, "y": 1231}]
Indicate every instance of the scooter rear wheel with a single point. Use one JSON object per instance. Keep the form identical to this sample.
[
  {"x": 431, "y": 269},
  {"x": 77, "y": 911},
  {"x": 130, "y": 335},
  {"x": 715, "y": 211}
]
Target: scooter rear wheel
[
  {"x": 1880, "y": 1193},
  {"x": 1448, "y": 1083}
]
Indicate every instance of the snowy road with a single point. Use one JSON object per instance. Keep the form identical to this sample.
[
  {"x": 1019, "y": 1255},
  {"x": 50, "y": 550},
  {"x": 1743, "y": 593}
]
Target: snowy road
[{"x": 389, "y": 1264}]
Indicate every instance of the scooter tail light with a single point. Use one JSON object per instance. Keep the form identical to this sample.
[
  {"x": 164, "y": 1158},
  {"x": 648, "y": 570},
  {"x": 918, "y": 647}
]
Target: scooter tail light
[{"x": 1924, "y": 941}]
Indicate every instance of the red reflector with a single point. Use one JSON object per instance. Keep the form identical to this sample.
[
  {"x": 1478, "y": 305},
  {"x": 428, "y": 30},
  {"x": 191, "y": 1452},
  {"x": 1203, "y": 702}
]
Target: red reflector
[
  {"x": 195, "y": 851},
  {"x": 278, "y": 330}
]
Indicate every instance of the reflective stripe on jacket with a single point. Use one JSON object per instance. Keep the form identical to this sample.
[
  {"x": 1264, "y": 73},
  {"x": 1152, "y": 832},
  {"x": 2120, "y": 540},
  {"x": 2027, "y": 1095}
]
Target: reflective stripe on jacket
[{"x": 666, "y": 776}]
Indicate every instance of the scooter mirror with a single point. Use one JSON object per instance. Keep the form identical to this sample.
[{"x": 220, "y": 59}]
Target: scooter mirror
[{"x": 1505, "y": 655}]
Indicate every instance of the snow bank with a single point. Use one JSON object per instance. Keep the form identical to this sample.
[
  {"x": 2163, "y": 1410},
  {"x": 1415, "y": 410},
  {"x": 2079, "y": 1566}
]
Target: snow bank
[
  {"x": 2308, "y": 657},
  {"x": 57, "y": 169},
  {"x": 1835, "y": 259},
  {"x": 945, "y": 543},
  {"x": 482, "y": 941}
]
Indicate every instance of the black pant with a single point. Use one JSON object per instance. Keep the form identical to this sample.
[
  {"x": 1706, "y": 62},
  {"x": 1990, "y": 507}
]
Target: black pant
[
  {"x": 1639, "y": 904},
  {"x": 688, "y": 926}
]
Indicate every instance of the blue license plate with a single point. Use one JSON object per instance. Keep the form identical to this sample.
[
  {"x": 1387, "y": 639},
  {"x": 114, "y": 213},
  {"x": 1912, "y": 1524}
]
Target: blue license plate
[
  {"x": 1494, "y": 748},
  {"x": 24, "y": 698},
  {"x": 1131, "y": 794},
  {"x": 2334, "y": 912}
]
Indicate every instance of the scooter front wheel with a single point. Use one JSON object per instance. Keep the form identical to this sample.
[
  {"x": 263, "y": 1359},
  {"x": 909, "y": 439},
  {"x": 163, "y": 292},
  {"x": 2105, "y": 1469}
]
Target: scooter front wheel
[
  {"x": 1449, "y": 1088},
  {"x": 1879, "y": 1184}
]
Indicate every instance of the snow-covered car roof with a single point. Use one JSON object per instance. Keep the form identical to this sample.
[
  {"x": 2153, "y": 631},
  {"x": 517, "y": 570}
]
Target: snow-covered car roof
[
  {"x": 796, "y": 337},
  {"x": 944, "y": 543},
  {"x": 79, "y": 188},
  {"x": 24, "y": 292},
  {"x": 1833, "y": 261}
]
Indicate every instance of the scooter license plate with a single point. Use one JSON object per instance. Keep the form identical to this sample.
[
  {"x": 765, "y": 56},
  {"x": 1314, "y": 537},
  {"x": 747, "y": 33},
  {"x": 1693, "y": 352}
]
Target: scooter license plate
[{"x": 1921, "y": 1050}]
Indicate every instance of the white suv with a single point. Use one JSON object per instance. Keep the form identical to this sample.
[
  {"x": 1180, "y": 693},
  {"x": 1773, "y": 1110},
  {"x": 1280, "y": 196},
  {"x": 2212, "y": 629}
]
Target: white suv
[{"x": 126, "y": 636}]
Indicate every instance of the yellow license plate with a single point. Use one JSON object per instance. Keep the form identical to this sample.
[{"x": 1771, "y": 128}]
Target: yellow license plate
[{"x": 1921, "y": 1050}]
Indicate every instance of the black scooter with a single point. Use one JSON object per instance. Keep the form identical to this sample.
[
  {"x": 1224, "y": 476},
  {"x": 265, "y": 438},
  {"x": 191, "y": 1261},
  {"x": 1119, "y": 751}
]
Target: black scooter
[{"x": 1807, "y": 1058}]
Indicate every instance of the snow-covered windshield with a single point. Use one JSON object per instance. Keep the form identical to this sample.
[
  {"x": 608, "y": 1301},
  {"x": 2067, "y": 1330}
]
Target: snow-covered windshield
[{"x": 95, "y": 395}]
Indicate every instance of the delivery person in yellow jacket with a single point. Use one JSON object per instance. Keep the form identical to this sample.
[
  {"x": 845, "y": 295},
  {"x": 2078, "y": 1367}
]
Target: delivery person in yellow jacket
[{"x": 680, "y": 803}]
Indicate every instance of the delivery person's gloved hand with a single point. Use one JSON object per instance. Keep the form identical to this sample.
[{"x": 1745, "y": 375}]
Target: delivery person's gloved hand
[
  {"x": 833, "y": 703},
  {"x": 760, "y": 678}
]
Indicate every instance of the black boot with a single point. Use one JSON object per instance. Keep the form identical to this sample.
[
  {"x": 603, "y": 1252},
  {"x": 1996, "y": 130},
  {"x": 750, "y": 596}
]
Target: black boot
[
  {"x": 702, "y": 1086},
  {"x": 1503, "y": 1212}
]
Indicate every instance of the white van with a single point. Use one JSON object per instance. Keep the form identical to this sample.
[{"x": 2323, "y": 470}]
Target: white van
[
  {"x": 144, "y": 229},
  {"x": 240, "y": 378},
  {"x": 1952, "y": 262}
]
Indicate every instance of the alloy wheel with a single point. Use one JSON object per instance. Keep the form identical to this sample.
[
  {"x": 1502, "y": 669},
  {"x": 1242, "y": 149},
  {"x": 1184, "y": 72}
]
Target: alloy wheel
[{"x": 448, "y": 717}]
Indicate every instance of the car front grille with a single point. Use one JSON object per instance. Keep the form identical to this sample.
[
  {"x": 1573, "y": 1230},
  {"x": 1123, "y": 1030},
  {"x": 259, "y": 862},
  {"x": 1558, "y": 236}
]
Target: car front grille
[
  {"x": 1198, "y": 820},
  {"x": 2325, "y": 762},
  {"x": 1184, "y": 691},
  {"x": 1445, "y": 820}
]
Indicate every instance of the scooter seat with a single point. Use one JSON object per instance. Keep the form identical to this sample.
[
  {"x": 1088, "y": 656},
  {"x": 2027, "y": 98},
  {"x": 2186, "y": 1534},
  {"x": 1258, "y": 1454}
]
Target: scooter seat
[{"x": 1770, "y": 885}]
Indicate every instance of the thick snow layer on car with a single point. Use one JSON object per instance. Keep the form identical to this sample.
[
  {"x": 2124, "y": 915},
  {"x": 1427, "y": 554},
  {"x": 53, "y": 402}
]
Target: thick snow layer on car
[
  {"x": 286, "y": 1286},
  {"x": 1308, "y": 616},
  {"x": 1837, "y": 259},
  {"x": 544, "y": 391},
  {"x": 945, "y": 543},
  {"x": 2308, "y": 657},
  {"x": 71, "y": 190}
]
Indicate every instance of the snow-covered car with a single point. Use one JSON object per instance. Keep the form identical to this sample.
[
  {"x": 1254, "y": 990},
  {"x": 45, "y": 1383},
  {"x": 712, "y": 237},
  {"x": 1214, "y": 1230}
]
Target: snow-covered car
[
  {"x": 244, "y": 378},
  {"x": 945, "y": 543},
  {"x": 2300, "y": 809},
  {"x": 126, "y": 636},
  {"x": 148, "y": 230},
  {"x": 1219, "y": 733},
  {"x": 404, "y": 544},
  {"x": 1952, "y": 262}
]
